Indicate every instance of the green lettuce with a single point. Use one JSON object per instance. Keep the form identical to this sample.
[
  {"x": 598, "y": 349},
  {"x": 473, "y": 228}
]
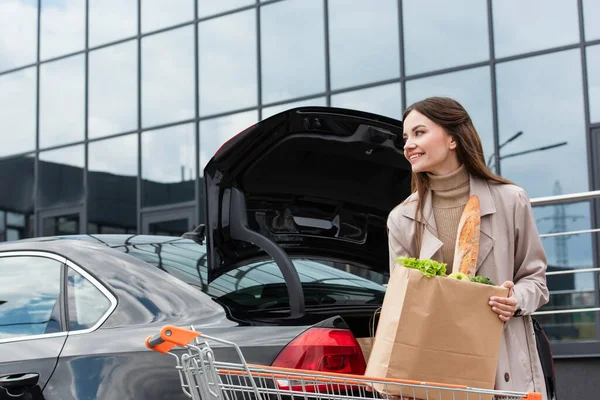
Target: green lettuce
[
  {"x": 427, "y": 267},
  {"x": 482, "y": 279}
]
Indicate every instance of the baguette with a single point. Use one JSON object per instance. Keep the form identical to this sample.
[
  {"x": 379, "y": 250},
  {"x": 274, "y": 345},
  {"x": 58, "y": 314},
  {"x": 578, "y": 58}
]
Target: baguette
[{"x": 466, "y": 249}]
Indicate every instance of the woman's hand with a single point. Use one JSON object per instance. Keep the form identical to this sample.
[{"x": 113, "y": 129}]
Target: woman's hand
[{"x": 505, "y": 306}]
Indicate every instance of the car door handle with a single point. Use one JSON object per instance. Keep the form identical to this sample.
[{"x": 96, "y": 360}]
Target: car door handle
[{"x": 19, "y": 380}]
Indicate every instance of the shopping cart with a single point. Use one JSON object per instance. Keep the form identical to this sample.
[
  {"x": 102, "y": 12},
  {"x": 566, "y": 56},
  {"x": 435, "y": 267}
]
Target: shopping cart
[{"x": 203, "y": 377}]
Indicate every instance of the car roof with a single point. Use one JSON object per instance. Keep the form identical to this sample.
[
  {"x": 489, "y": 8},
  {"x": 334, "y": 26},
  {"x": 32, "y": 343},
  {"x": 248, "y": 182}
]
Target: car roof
[{"x": 108, "y": 240}]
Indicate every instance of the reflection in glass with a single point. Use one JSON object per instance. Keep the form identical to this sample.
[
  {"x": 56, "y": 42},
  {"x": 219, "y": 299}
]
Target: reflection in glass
[
  {"x": 384, "y": 100},
  {"x": 16, "y": 175},
  {"x": 292, "y": 40},
  {"x": 524, "y": 26},
  {"x": 168, "y": 165},
  {"x": 60, "y": 225},
  {"x": 591, "y": 15},
  {"x": 13, "y": 234},
  {"x": 60, "y": 179},
  {"x": 227, "y": 63},
  {"x": 541, "y": 96},
  {"x": 62, "y": 26},
  {"x": 439, "y": 34},
  {"x": 17, "y": 111},
  {"x": 112, "y": 184},
  {"x": 87, "y": 304},
  {"x": 564, "y": 253},
  {"x": 156, "y": 14},
  {"x": 111, "y": 20},
  {"x": 593, "y": 70},
  {"x": 168, "y": 76},
  {"x": 570, "y": 327},
  {"x": 211, "y": 7},
  {"x": 62, "y": 100},
  {"x": 214, "y": 132},
  {"x": 351, "y": 27},
  {"x": 30, "y": 290},
  {"x": 175, "y": 227},
  {"x": 18, "y": 19},
  {"x": 270, "y": 111},
  {"x": 112, "y": 93},
  {"x": 471, "y": 88}
]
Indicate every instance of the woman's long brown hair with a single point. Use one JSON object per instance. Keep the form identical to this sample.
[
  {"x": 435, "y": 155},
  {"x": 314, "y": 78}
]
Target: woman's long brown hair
[{"x": 455, "y": 120}]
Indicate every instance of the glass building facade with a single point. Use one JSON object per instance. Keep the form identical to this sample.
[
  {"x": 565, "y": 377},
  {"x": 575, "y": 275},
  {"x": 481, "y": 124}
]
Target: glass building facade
[{"x": 110, "y": 109}]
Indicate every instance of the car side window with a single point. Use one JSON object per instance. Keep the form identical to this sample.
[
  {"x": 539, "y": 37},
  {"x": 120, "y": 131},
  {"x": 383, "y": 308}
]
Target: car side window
[
  {"x": 29, "y": 296},
  {"x": 87, "y": 304}
]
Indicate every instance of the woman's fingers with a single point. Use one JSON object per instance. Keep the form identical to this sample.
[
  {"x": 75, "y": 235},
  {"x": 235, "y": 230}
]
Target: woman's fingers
[{"x": 505, "y": 307}]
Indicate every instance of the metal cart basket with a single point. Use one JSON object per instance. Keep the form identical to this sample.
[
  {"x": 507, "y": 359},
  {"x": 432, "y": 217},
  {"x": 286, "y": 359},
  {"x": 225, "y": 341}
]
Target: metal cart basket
[{"x": 204, "y": 377}]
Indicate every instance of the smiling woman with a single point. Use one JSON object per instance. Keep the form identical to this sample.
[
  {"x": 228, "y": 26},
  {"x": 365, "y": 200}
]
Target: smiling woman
[{"x": 448, "y": 169}]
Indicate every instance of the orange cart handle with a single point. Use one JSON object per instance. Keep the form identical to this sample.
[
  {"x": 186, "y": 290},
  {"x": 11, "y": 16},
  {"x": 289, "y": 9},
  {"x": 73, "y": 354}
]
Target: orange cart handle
[{"x": 169, "y": 337}]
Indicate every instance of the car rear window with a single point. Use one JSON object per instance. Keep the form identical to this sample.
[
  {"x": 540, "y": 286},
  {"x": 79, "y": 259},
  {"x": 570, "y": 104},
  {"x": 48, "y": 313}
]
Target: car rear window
[{"x": 260, "y": 285}]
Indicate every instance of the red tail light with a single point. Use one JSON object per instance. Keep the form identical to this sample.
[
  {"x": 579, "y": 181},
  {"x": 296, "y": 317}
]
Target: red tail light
[{"x": 324, "y": 349}]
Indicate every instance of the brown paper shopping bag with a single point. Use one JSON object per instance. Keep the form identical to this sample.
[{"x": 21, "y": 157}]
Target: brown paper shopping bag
[{"x": 436, "y": 329}]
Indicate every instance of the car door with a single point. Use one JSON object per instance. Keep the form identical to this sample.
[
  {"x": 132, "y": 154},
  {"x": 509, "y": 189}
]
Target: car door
[{"x": 32, "y": 330}]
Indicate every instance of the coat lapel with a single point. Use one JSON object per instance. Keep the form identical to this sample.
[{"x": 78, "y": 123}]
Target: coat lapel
[
  {"x": 432, "y": 244},
  {"x": 481, "y": 189}
]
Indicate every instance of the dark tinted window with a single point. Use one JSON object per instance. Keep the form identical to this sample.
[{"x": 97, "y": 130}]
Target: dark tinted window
[
  {"x": 29, "y": 296},
  {"x": 260, "y": 284}
]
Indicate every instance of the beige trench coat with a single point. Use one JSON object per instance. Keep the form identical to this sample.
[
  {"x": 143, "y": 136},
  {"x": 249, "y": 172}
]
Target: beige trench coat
[{"x": 510, "y": 250}]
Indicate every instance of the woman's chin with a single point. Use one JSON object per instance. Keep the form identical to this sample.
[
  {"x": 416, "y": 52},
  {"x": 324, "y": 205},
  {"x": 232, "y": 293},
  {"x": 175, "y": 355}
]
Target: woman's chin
[{"x": 418, "y": 168}]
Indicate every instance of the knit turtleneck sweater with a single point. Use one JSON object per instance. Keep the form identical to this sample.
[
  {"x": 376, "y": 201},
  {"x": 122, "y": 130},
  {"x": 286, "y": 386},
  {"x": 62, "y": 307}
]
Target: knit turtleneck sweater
[{"x": 450, "y": 194}]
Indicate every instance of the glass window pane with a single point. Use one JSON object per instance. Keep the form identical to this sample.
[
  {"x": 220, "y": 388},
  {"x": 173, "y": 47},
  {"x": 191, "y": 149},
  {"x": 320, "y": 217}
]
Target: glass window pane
[
  {"x": 157, "y": 14},
  {"x": 62, "y": 26},
  {"x": 524, "y": 26},
  {"x": 228, "y": 63},
  {"x": 112, "y": 183},
  {"x": 15, "y": 219},
  {"x": 568, "y": 291},
  {"x": 174, "y": 227},
  {"x": 593, "y": 70},
  {"x": 384, "y": 100},
  {"x": 471, "y": 88},
  {"x": 111, "y": 20},
  {"x": 62, "y": 89},
  {"x": 270, "y": 111},
  {"x": 591, "y": 15},
  {"x": 359, "y": 52},
  {"x": 13, "y": 234},
  {"x": 113, "y": 90},
  {"x": 16, "y": 192},
  {"x": 17, "y": 112},
  {"x": 541, "y": 96},
  {"x": 168, "y": 76},
  {"x": 60, "y": 180},
  {"x": 211, "y": 7},
  {"x": 87, "y": 304},
  {"x": 288, "y": 45},
  {"x": 60, "y": 225},
  {"x": 18, "y": 19},
  {"x": 168, "y": 165},
  {"x": 440, "y": 34},
  {"x": 216, "y": 131},
  {"x": 30, "y": 292}
]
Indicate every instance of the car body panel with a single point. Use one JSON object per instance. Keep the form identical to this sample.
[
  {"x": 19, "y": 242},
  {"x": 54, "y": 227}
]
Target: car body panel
[
  {"x": 119, "y": 365},
  {"x": 38, "y": 355}
]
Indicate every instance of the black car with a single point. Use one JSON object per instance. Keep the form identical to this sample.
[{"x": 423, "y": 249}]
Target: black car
[{"x": 294, "y": 244}]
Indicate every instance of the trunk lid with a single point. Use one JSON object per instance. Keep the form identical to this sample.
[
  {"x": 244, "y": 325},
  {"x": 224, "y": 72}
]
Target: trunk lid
[{"x": 309, "y": 182}]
